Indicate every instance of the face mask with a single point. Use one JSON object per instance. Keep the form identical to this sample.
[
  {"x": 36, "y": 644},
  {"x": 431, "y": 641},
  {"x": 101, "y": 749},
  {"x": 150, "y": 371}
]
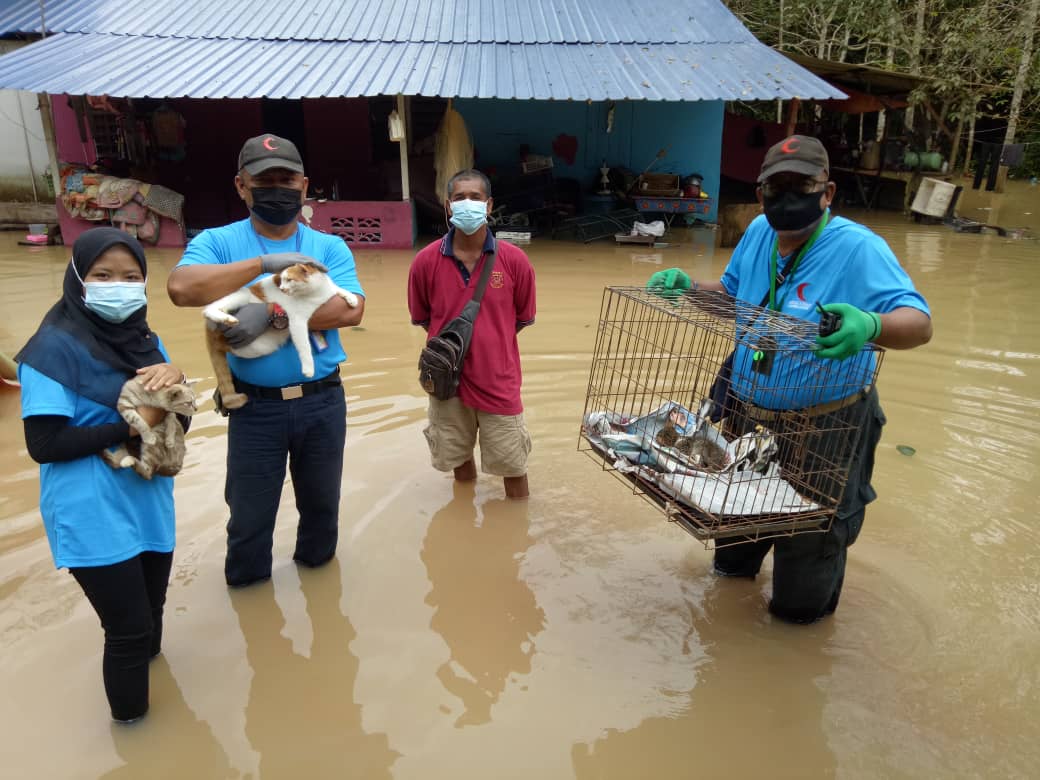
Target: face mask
[
  {"x": 276, "y": 205},
  {"x": 792, "y": 210},
  {"x": 114, "y": 301},
  {"x": 468, "y": 215}
]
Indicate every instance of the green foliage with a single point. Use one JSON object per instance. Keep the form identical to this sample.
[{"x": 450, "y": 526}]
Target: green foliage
[
  {"x": 968, "y": 49},
  {"x": 967, "y": 46}
]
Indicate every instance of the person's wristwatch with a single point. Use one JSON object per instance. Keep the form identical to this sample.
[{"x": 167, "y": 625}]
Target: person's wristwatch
[{"x": 278, "y": 320}]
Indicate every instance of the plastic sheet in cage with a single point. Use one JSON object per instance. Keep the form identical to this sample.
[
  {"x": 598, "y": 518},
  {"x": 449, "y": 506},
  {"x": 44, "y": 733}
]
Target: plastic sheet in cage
[{"x": 765, "y": 453}]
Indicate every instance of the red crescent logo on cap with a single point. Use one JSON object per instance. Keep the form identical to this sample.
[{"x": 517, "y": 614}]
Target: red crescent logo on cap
[
  {"x": 790, "y": 146},
  {"x": 268, "y": 145}
]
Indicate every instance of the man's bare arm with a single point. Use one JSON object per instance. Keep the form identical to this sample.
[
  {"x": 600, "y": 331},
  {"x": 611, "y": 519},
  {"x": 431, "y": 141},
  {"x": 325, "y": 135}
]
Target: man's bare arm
[{"x": 200, "y": 285}]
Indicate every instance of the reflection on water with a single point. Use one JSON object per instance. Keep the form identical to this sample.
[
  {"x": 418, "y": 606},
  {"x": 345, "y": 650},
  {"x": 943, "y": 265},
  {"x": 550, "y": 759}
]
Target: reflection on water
[
  {"x": 578, "y": 634},
  {"x": 759, "y": 693},
  {"x": 301, "y": 716},
  {"x": 171, "y": 742},
  {"x": 486, "y": 613}
]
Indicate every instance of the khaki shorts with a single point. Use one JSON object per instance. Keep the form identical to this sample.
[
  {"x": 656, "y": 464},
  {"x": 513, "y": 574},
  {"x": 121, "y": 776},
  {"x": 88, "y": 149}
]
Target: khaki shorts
[{"x": 453, "y": 431}]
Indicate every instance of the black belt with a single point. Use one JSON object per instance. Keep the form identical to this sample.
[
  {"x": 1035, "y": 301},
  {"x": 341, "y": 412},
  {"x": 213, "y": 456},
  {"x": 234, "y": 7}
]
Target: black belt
[{"x": 292, "y": 391}]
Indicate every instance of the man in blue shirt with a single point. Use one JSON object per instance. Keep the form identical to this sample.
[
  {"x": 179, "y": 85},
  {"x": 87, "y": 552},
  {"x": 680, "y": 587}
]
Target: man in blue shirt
[
  {"x": 793, "y": 256},
  {"x": 288, "y": 417}
]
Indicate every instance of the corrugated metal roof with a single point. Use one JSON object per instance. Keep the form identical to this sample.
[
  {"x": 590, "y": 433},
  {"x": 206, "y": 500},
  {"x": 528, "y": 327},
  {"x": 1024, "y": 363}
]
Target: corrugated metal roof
[
  {"x": 136, "y": 66},
  {"x": 402, "y": 21}
]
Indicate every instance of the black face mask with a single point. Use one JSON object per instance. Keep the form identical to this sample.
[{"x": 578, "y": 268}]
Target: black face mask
[
  {"x": 276, "y": 205},
  {"x": 792, "y": 210}
]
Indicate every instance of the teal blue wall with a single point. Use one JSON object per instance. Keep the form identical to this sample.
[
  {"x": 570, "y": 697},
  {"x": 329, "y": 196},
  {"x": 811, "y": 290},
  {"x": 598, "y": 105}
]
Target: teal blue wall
[{"x": 692, "y": 133}]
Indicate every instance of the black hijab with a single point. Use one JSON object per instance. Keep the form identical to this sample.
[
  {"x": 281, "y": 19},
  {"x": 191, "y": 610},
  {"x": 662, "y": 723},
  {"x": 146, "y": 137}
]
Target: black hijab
[{"x": 72, "y": 340}]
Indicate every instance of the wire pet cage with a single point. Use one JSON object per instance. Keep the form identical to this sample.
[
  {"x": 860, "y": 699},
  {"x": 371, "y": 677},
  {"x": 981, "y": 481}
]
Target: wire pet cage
[{"x": 718, "y": 412}]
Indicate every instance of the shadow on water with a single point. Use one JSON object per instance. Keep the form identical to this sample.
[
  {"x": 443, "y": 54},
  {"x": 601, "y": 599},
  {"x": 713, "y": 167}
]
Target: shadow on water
[
  {"x": 302, "y": 717},
  {"x": 483, "y": 609}
]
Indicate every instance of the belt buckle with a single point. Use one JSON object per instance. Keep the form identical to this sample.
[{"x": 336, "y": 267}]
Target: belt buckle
[{"x": 289, "y": 393}]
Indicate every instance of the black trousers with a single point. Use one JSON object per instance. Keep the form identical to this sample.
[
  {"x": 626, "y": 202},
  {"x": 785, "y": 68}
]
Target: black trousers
[
  {"x": 809, "y": 568},
  {"x": 128, "y": 597},
  {"x": 988, "y": 156},
  {"x": 309, "y": 433}
]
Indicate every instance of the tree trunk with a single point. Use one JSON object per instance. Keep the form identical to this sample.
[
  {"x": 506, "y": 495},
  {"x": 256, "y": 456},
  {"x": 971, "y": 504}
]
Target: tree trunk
[
  {"x": 890, "y": 59},
  {"x": 955, "y": 147},
  {"x": 971, "y": 139},
  {"x": 915, "y": 53},
  {"x": 1029, "y": 23}
]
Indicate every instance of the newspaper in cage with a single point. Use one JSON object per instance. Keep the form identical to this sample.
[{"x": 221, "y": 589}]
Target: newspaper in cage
[{"x": 689, "y": 459}]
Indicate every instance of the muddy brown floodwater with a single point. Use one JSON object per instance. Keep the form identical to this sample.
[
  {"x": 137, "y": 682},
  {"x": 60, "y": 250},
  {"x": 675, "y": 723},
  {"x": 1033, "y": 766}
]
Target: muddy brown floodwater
[{"x": 578, "y": 635}]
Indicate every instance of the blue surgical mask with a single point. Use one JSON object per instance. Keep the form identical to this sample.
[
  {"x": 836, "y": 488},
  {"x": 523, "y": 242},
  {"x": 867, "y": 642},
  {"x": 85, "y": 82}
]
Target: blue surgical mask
[
  {"x": 468, "y": 215},
  {"x": 113, "y": 301}
]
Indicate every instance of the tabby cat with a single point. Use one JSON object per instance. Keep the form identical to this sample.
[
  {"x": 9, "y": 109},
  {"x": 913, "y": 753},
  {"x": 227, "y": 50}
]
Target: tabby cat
[{"x": 160, "y": 449}]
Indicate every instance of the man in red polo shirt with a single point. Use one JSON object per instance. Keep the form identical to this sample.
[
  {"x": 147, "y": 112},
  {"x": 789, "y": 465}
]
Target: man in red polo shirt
[{"x": 441, "y": 280}]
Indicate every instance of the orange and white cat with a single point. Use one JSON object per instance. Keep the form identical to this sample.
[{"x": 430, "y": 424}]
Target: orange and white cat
[{"x": 300, "y": 290}]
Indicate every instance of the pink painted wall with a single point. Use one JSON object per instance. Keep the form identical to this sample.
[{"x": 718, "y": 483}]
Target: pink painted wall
[
  {"x": 170, "y": 233},
  {"x": 66, "y": 134},
  {"x": 375, "y": 224}
]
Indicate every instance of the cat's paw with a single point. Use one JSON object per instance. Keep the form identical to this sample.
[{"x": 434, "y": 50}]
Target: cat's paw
[
  {"x": 218, "y": 316},
  {"x": 307, "y": 371},
  {"x": 351, "y": 299},
  {"x": 148, "y": 437},
  {"x": 127, "y": 462}
]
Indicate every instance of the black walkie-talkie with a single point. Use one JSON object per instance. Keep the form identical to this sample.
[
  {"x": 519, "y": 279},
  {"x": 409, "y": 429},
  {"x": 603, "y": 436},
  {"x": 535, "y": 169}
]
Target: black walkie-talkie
[{"x": 830, "y": 322}]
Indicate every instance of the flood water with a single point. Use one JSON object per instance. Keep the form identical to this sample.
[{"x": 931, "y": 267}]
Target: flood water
[{"x": 577, "y": 635}]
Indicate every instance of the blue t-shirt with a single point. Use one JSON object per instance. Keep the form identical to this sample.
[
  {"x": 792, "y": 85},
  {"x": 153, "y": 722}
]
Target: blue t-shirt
[
  {"x": 239, "y": 241},
  {"x": 848, "y": 263},
  {"x": 94, "y": 515}
]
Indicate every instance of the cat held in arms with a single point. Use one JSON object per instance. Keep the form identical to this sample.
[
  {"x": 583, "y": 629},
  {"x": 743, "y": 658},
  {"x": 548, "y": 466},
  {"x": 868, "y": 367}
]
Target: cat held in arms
[
  {"x": 160, "y": 448},
  {"x": 299, "y": 290}
]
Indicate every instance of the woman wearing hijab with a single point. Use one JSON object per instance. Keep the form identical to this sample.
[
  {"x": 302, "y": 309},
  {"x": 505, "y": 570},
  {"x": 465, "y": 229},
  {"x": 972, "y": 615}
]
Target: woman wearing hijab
[{"x": 111, "y": 528}]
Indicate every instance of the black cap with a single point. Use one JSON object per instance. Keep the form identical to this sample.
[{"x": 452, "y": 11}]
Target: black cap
[
  {"x": 269, "y": 151},
  {"x": 795, "y": 154}
]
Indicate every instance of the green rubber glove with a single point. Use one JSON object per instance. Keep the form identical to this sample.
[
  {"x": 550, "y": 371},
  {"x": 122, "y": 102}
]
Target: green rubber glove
[
  {"x": 670, "y": 283},
  {"x": 857, "y": 328}
]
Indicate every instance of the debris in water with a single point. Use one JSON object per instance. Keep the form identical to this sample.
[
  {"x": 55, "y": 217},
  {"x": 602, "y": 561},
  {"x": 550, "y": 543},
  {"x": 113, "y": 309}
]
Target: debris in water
[{"x": 905, "y": 449}]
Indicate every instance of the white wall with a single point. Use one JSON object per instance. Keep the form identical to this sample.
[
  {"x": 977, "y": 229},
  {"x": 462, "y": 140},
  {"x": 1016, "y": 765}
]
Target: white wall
[{"x": 15, "y": 158}]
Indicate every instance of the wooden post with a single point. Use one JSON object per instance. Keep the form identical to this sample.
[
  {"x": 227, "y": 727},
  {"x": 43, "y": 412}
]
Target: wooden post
[
  {"x": 792, "y": 115},
  {"x": 47, "y": 118},
  {"x": 955, "y": 147},
  {"x": 28, "y": 148},
  {"x": 970, "y": 145},
  {"x": 403, "y": 143}
]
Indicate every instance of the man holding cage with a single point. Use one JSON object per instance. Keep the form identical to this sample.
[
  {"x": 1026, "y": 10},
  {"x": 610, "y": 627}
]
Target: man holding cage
[{"x": 793, "y": 259}]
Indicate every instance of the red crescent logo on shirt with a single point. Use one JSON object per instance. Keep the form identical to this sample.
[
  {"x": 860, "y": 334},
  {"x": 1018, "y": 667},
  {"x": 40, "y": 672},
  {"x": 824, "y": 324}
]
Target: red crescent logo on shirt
[
  {"x": 801, "y": 290},
  {"x": 790, "y": 146},
  {"x": 269, "y": 145}
]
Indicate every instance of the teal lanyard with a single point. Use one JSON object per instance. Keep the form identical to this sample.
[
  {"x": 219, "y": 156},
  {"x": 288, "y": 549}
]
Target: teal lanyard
[
  {"x": 790, "y": 275},
  {"x": 263, "y": 244}
]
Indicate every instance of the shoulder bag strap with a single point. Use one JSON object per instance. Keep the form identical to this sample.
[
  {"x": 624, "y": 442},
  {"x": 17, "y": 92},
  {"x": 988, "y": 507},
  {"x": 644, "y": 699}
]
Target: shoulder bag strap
[{"x": 489, "y": 263}]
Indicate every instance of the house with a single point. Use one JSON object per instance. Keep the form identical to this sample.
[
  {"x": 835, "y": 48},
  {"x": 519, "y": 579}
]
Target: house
[{"x": 580, "y": 83}]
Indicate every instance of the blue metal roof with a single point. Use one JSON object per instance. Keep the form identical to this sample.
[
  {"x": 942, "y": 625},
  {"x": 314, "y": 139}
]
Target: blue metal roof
[
  {"x": 400, "y": 21},
  {"x": 138, "y": 66}
]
